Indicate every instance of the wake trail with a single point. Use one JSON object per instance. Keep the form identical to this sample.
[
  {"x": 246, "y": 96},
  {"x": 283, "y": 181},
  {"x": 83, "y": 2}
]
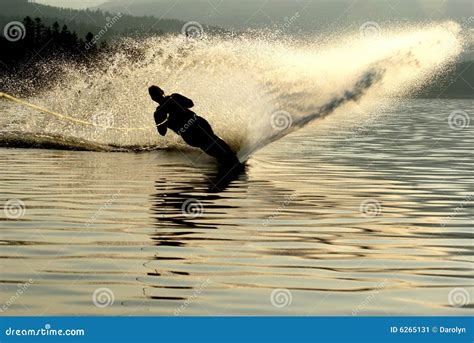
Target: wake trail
[{"x": 364, "y": 83}]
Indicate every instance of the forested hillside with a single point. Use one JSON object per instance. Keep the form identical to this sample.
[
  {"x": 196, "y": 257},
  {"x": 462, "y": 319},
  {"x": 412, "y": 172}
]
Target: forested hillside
[{"x": 84, "y": 21}]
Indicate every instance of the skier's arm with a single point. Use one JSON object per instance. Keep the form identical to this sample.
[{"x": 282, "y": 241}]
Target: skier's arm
[
  {"x": 161, "y": 114},
  {"x": 182, "y": 100}
]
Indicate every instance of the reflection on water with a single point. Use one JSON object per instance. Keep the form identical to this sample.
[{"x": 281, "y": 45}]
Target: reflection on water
[{"x": 373, "y": 221}]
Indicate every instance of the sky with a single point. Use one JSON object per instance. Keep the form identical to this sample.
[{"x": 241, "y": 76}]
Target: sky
[
  {"x": 71, "y": 3},
  {"x": 92, "y": 3}
]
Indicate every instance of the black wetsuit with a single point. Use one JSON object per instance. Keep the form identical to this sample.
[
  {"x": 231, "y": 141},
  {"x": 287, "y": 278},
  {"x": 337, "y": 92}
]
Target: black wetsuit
[{"x": 174, "y": 113}]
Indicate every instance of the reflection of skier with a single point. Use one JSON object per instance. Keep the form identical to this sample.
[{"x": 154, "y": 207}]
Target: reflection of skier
[{"x": 174, "y": 113}]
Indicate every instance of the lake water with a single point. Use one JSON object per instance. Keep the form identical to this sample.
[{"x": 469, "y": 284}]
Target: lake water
[{"x": 368, "y": 220}]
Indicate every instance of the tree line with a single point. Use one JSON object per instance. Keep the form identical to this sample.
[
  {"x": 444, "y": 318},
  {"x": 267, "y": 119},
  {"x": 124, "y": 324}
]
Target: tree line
[
  {"x": 86, "y": 20},
  {"x": 28, "y": 44}
]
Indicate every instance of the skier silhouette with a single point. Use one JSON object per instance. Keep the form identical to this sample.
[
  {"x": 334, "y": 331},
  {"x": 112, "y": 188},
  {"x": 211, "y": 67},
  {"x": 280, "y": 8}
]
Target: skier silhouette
[{"x": 174, "y": 113}]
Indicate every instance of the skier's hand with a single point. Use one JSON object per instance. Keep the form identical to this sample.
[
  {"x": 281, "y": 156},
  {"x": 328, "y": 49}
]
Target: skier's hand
[{"x": 162, "y": 129}]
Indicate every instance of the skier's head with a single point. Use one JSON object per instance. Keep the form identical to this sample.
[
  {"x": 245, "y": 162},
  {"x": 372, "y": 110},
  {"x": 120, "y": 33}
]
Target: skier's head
[{"x": 157, "y": 94}]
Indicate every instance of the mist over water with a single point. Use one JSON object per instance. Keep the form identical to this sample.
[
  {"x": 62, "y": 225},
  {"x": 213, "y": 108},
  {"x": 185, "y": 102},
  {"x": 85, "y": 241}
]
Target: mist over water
[{"x": 253, "y": 89}]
